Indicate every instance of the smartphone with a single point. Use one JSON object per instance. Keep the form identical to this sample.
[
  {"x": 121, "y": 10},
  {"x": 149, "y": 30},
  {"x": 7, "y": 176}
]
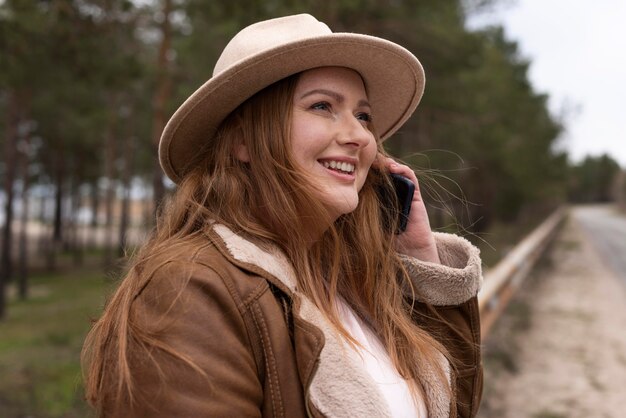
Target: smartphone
[{"x": 404, "y": 190}]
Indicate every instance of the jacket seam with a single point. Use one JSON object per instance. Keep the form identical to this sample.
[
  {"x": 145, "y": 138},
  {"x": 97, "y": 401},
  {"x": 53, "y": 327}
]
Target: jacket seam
[
  {"x": 310, "y": 366},
  {"x": 268, "y": 354},
  {"x": 243, "y": 304},
  {"x": 255, "y": 294},
  {"x": 191, "y": 259},
  {"x": 244, "y": 310}
]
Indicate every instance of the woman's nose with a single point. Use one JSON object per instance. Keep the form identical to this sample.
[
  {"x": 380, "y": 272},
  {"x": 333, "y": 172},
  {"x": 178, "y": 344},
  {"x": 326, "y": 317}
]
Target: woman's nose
[{"x": 354, "y": 132}]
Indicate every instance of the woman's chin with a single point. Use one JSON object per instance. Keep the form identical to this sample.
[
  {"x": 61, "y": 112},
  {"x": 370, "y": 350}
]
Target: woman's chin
[{"x": 342, "y": 207}]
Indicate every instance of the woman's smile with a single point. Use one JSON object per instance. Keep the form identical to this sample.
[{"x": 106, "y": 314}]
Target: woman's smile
[{"x": 340, "y": 166}]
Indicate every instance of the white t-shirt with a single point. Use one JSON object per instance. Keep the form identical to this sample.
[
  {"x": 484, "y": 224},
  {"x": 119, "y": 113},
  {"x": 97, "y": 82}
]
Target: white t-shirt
[{"x": 378, "y": 365}]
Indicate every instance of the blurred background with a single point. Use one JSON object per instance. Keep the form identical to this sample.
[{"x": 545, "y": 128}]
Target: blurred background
[{"x": 520, "y": 117}]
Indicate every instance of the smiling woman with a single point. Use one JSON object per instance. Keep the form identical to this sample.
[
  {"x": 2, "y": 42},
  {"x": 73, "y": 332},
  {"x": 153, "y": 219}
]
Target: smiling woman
[
  {"x": 331, "y": 135},
  {"x": 273, "y": 285}
]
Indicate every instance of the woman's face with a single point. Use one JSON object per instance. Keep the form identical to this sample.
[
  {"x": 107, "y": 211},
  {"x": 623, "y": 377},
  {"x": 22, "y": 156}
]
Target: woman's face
[{"x": 330, "y": 135}]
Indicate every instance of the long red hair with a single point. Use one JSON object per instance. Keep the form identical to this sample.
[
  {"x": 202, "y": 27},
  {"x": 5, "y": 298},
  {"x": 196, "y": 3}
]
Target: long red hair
[{"x": 269, "y": 200}]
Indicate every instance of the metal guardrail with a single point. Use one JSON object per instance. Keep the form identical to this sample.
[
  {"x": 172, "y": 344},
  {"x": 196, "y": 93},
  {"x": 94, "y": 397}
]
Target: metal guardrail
[{"x": 501, "y": 282}]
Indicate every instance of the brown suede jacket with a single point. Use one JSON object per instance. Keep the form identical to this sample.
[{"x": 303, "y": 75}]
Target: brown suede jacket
[{"x": 260, "y": 348}]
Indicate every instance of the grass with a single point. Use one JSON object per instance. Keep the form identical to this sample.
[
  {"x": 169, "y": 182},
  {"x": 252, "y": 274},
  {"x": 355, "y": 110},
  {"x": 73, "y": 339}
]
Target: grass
[
  {"x": 500, "y": 239},
  {"x": 40, "y": 343}
]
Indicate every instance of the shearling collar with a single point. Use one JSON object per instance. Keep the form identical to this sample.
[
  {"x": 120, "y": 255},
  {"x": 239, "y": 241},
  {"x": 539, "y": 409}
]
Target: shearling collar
[{"x": 340, "y": 387}]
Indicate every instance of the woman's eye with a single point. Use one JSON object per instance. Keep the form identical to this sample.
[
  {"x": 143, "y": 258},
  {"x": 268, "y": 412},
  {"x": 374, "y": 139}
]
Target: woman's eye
[
  {"x": 364, "y": 116},
  {"x": 321, "y": 106}
]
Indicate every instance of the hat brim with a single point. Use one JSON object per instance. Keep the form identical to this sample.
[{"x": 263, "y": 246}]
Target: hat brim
[{"x": 393, "y": 77}]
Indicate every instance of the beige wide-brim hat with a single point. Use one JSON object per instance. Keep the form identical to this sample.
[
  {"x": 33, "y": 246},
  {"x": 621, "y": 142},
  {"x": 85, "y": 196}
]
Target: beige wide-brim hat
[{"x": 271, "y": 50}]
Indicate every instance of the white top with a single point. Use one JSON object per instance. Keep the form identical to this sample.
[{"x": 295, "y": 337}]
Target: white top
[{"x": 378, "y": 365}]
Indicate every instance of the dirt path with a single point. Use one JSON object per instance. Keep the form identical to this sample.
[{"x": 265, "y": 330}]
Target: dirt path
[{"x": 560, "y": 350}]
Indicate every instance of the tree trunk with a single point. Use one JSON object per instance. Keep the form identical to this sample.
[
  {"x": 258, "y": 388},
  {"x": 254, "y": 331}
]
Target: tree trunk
[
  {"x": 124, "y": 220},
  {"x": 56, "y": 244},
  {"x": 57, "y": 231},
  {"x": 45, "y": 238},
  {"x": 126, "y": 176},
  {"x": 159, "y": 101},
  {"x": 77, "y": 244},
  {"x": 10, "y": 154},
  {"x": 22, "y": 269},
  {"x": 92, "y": 229},
  {"x": 109, "y": 174},
  {"x": 23, "y": 241}
]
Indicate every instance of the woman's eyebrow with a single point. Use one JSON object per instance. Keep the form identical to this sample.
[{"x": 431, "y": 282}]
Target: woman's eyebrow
[{"x": 338, "y": 97}]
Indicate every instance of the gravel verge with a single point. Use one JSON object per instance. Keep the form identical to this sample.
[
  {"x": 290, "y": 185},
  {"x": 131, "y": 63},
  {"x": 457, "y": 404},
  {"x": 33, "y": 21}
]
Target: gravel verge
[{"x": 560, "y": 349}]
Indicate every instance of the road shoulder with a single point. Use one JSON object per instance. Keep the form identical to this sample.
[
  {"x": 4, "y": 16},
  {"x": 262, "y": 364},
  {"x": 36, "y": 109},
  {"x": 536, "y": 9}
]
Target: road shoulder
[{"x": 560, "y": 349}]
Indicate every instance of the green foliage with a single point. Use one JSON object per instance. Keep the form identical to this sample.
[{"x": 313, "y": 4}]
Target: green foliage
[
  {"x": 40, "y": 342},
  {"x": 480, "y": 123},
  {"x": 78, "y": 63},
  {"x": 593, "y": 179},
  {"x": 510, "y": 135}
]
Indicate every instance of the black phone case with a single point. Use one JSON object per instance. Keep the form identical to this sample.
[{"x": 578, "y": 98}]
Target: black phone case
[{"x": 404, "y": 190}]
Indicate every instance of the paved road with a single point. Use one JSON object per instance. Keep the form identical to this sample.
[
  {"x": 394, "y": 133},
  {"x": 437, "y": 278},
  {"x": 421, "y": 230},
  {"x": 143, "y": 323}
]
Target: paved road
[{"x": 606, "y": 228}]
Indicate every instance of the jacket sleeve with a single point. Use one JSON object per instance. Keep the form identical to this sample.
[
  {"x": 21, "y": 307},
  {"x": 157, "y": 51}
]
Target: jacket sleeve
[
  {"x": 446, "y": 305},
  {"x": 190, "y": 354},
  {"x": 456, "y": 280}
]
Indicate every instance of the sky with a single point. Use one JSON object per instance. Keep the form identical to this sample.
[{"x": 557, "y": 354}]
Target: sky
[{"x": 577, "y": 50}]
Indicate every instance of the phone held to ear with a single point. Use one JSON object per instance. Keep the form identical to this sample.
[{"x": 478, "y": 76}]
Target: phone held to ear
[{"x": 404, "y": 190}]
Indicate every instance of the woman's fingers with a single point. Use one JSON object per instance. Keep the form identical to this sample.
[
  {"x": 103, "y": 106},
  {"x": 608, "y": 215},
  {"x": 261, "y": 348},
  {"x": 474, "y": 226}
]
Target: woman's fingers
[
  {"x": 394, "y": 167},
  {"x": 418, "y": 240}
]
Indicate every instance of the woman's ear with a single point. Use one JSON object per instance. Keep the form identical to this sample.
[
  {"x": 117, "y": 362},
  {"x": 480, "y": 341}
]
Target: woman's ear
[{"x": 241, "y": 153}]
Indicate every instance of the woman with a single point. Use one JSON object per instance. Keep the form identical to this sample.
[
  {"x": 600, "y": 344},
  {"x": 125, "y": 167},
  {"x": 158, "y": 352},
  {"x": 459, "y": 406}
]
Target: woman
[{"x": 274, "y": 284}]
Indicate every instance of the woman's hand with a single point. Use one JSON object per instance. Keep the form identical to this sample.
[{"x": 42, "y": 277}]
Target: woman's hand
[{"x": 418, "y": 240}]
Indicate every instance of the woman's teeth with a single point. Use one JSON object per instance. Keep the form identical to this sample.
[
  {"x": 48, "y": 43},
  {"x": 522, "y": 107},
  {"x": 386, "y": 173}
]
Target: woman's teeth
[{"x": 340, "y": 166}]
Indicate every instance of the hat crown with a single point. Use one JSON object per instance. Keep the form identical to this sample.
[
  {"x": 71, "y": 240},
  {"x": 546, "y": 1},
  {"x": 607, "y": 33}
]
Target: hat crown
[{"x": 266, "y": 35}]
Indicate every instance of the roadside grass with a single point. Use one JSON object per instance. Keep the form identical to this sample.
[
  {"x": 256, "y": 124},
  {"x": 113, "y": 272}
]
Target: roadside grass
[
  {"x": 40, "y": 343},
  {"x": 500, "y": 239}
]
